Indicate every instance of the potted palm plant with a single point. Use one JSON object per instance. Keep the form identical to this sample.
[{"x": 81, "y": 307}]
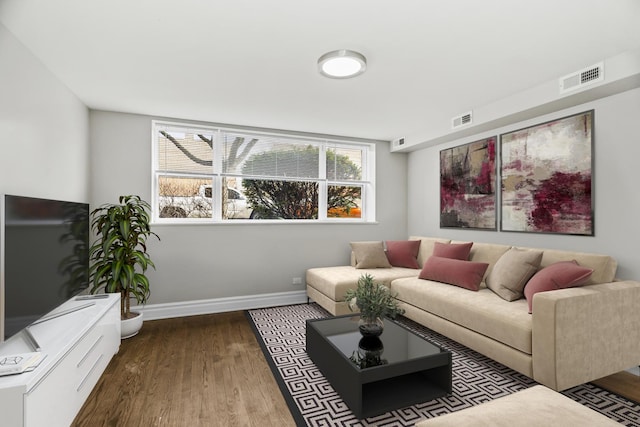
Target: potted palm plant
[
  {"x": 119, "y": 257},
  {"x": 375, "y": 302}
]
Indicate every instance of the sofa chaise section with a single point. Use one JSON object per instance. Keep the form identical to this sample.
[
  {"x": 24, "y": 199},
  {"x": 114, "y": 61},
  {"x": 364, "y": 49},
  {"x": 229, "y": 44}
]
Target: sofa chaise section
[{"x": 327, "y": 285}]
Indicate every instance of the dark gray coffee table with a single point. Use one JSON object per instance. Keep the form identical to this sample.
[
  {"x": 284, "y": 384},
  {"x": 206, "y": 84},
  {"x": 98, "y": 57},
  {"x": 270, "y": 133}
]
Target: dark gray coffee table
[{"x": 374, "y": 376}]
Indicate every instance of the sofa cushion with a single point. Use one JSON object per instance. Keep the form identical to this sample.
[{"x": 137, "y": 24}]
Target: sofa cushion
[
  {"x": 466, "y": 274},
  {"x": 483, "y": 311},
  {"x": 512, "y": 271},
  {"x": 403, "y": 253},
  {"x": 561, "y": 275},
  {"x": 370, "y": 255},
  {"x": 426, "y": 247},
  {"x": 334, "y": 281},
  {"x": 453, "y": 250}
]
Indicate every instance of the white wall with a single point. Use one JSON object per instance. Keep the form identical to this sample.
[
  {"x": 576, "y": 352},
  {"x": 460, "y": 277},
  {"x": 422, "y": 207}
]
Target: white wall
[
  {"x": 208, "y": 261},
  {"x": 44, "y": 149},
  {"x": 616, "y": 191}
]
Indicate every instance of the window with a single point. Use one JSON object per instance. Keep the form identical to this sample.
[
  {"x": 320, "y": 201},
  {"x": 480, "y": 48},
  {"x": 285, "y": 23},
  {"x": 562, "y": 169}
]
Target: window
[{"x": 205, "y": 174}]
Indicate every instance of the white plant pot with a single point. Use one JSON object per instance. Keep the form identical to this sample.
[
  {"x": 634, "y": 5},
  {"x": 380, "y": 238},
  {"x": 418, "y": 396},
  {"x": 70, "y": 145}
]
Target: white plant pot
[{"x": 130, "y": 327}]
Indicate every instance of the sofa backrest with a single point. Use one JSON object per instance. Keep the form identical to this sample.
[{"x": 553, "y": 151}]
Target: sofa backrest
[
  {"x": 604, "y": 267},
  {"x": 426, "y": 247},
  {"x": 486, "y": 252}
]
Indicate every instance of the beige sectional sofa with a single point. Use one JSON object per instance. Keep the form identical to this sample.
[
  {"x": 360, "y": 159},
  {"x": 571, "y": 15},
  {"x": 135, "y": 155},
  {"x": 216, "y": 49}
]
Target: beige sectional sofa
[{"x": 572, "y": 336}]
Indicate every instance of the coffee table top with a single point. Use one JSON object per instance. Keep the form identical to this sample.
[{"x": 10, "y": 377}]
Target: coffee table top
[{"x": 397, "y": 344}]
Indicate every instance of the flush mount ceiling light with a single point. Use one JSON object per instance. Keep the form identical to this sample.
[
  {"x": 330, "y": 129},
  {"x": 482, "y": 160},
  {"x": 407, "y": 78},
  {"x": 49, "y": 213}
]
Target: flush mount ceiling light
[{"x": 342, "y": 64}]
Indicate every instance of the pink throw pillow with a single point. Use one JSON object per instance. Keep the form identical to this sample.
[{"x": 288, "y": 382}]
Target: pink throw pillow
[
  {"x": 560, "y": 275},
  {"x": 403, "y": 253},
  {"x": 452, "y": 250},
  {"x": 466, "y": 274}
]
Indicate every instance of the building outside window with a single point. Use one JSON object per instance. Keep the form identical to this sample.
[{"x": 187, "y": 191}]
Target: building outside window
[{"x": 208, "y": 175}]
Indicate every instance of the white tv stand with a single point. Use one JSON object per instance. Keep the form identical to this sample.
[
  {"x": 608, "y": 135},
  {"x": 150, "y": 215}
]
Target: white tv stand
[{"x": 78, "y": 346}]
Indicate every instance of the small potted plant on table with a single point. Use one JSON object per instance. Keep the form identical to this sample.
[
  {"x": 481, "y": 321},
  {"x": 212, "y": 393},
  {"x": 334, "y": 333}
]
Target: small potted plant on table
[
  {"x": 375, "y": 301},
  {"x": 119, "y": 256}
]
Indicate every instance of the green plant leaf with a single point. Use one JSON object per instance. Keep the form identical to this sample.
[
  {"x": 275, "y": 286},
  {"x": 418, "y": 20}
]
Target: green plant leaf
[
  {"x": 124, "y": 228},
  {"x": 116, "y": 267}
]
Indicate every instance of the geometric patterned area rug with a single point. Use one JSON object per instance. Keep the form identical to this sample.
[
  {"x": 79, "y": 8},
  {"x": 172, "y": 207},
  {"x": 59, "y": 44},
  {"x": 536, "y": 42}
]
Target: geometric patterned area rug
[{"x": 476, "y": 378}]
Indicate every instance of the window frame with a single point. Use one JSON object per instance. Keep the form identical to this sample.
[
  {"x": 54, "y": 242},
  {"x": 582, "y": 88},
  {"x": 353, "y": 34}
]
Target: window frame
[{"x": 216, "y": 175}]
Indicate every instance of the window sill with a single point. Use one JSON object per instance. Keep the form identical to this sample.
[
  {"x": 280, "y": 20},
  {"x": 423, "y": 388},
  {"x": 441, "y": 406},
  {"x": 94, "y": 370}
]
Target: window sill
[{"x": 252, "y": 222}]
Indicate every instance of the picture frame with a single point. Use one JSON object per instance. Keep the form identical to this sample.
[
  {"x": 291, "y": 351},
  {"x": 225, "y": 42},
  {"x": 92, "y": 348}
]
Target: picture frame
[
  {"x": 546, "y": 177},
  {"x": 468, "y": 185}
]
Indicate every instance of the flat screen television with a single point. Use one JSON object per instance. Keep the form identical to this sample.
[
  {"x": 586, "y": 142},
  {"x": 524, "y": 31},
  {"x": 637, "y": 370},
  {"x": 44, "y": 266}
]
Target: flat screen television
[{"x": 44, "y": 258}]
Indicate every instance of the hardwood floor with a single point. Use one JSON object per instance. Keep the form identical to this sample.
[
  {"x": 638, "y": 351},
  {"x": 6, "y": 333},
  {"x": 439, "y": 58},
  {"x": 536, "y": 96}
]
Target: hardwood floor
[
  {"x": 192, "y": 371},
  {"x": 207, "y": 371},
  {"x": 623, "y": 383}
]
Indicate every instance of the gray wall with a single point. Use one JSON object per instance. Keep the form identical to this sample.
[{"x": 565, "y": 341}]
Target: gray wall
[
  {"x": 206, "y": 261},
  {"x": 44, "y": 149},
  {"x": 616, "y": 194},
  {"x": 44, "y": 133}
]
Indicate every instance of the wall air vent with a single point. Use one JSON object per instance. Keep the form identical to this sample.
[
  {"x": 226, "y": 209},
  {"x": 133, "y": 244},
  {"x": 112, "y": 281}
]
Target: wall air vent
[
  {"x": 397, "y": 143},
  {"x": 462, "y": 120},
  {"x": 582, "y": 78}
]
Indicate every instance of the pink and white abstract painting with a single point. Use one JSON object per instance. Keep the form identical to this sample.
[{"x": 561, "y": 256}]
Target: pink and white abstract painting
[
  {"x": 468, "y": 185},
  {"x": 546, "y": 177}
]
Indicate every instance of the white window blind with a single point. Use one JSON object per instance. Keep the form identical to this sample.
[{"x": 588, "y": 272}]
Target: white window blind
[
  {"x": 269, "y": 156},
  {"x": 184, "y": 151}
]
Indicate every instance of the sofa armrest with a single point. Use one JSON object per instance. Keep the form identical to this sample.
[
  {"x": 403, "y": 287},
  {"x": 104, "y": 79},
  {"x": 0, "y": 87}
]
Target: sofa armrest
[{"x": 582, "y": 334}]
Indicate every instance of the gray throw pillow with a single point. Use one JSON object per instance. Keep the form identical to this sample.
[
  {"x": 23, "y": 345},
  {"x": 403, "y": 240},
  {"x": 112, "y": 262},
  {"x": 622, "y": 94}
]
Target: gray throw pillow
[
  {"x": 370, "y": 255},
  {"x": 512, "y": 272}
]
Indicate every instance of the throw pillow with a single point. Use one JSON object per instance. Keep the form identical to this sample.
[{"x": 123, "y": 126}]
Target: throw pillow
[
  {"x": 512, "y": 272},
  {"x": 466, "y": 274},
  {"x": 452, "y": 250},
  {"x": 370, "y": 255},
  {"x": 403, "y": 253},
  {"x": 563, "y": 274}
]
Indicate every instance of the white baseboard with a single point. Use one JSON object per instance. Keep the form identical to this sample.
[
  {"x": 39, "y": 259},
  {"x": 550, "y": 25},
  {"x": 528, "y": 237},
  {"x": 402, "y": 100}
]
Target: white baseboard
[{"x": 220, "y": 305}]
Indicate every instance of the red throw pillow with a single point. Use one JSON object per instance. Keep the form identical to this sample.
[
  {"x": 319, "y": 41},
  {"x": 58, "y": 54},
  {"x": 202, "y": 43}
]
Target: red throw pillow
[
  {"x": 563, "y": 274},
  {"x": 403, "y": 253},
  {"x": 466, "y": 274},
  {"x": 452, "y": 250}
]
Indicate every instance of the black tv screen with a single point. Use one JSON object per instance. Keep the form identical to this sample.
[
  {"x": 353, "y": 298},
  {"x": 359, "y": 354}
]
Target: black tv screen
[{"x": 45, "y": 259}]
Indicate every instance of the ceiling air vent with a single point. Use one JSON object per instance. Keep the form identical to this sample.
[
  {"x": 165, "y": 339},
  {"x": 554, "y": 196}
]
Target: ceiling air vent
[
  {"x": 462, "y": 120},
  {"x": 582, "y": 78}
]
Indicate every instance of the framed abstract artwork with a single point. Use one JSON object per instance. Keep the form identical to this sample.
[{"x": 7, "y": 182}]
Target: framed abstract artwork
[
  {"x": 546, "y": 177},
  {"x": 468, "y": 185}
]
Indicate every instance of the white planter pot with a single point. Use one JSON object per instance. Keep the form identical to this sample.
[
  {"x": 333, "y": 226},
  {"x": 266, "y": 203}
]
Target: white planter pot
[{"x": 130, "y": 327}]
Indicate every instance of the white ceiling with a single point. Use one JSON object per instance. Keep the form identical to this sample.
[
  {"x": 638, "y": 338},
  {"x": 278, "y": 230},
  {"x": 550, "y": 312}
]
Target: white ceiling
[{"x": 253, "y": 62}]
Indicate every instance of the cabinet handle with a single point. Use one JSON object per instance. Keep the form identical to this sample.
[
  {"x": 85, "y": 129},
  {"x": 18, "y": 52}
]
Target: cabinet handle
[
  {"x": 93, "y": 368},
  {"x": 95, "y": 344}
]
